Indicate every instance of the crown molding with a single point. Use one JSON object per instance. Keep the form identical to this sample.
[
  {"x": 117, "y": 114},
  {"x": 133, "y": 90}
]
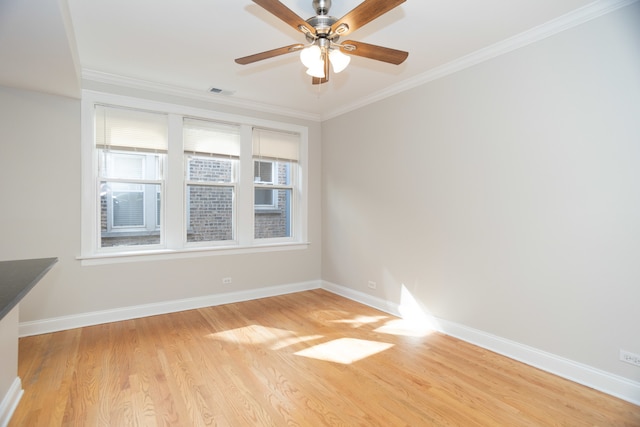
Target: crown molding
[
  {"x": 572, "y": 19},
  {"x": 132, "y": 83}
]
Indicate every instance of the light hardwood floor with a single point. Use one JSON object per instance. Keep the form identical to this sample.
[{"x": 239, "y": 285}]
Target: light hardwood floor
[{"x": 305, "y": 359}]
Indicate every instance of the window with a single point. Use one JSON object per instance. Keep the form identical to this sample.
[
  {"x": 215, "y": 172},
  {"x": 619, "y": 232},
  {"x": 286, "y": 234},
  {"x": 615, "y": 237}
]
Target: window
[
  {"x": 212, "y": 151},
  {"x": 161, "y": 179},
  {"x": 275, "y": 162},
  {"x": 131, "y": 148}
]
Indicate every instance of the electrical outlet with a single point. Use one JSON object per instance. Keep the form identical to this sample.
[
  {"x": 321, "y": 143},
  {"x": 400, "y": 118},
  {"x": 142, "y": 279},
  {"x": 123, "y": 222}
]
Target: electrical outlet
[
  {"x": 226, "y": 280},
  {"x": 629, "y": 357},
  {"x": 371, "y": 284}
]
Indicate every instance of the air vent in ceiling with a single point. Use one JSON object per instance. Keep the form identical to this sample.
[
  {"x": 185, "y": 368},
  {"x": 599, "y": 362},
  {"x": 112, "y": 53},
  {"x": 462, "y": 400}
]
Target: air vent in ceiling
[{"x": 219, "y": 91}]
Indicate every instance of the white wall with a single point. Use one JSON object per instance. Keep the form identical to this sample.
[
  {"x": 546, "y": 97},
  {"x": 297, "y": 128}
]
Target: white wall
[
  {"x": 10, "y": 385},
  {"x": 505, "y": 197},
  {"x": 40, "y": 217}
]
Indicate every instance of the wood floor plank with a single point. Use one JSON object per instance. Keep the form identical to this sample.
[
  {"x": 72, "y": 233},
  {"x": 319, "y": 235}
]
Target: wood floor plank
[{"x": 305, "y": 359}]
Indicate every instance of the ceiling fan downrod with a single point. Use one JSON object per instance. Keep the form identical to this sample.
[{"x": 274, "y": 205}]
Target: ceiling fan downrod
[
  {"x": 321, "y": 6},
  {"x": 322, "y": 23}
]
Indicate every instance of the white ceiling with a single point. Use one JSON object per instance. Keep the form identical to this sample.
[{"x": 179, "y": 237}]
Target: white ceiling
[{"x": 190, "y": 45}]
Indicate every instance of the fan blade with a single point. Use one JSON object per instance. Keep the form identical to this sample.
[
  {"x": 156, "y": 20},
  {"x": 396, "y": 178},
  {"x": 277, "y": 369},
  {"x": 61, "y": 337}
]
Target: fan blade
[
  {"x": 364, "y": 13},
  {"x": 371, "y": 51},
  {"x": 287, "y": 15},
  {"x": 269, "y": 54},
  {"x": 325, "y": 79}
]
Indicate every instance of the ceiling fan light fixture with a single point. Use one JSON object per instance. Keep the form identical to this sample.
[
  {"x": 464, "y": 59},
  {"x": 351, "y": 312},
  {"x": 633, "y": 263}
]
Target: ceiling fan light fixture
[
  {"x": 317, "y": 70},
  {"x": 311, "y": 56},
  {"x": 323, "y": 31},
  {"x": 339, "y": 60}
]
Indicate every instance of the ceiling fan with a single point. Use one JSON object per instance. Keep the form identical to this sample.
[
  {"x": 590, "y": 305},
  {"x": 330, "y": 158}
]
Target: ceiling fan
[{"x": 323, "y": 32}]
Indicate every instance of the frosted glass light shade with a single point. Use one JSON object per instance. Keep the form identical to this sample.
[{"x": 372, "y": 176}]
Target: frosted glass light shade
[
  {"x": 317, "y": 70},
  {"x": 311, "y": 56},
  {"x": 339, "y": 60}
]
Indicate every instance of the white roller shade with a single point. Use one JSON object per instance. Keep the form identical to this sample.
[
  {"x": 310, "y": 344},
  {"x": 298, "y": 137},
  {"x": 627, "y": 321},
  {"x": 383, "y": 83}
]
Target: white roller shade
[
  {"x": 205, "y": 137},
  {"x": 276, "y": 145},
  {"x": 123, "y": 128}
]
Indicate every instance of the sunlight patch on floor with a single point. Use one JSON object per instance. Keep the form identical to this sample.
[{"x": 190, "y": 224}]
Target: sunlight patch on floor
[
  {"x": 274, "y": 338},
  {"x": 405, "y": 327},
  {"x": 286, "y": 342},
  {"x": 253, "y": 334},
  {"x": 361, "y": 320},
  {"x": 344, "y": 350}
]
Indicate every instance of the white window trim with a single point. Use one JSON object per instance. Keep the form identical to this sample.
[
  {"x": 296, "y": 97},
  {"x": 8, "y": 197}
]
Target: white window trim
[{"x": 173, "y": 245}]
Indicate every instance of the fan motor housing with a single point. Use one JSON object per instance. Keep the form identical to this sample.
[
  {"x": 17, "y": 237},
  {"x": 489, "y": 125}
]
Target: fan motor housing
[{"x": 322, "y": 24}]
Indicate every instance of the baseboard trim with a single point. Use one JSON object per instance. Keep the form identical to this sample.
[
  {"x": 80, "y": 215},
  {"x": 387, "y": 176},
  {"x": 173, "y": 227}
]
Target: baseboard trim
[
  {"x": 62, "y": 323},
  {"x": 580, "y": 373},
  {"x": 362, "y": 298},
  {"x": 606, "y": 382},
  {"x": 10, "y": 402},
  {"x": 577, "y": 372}
]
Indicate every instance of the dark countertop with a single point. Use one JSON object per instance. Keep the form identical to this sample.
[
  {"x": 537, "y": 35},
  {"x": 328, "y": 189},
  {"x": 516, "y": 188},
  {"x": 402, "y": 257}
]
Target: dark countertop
[{"x": 17, "y": 278}]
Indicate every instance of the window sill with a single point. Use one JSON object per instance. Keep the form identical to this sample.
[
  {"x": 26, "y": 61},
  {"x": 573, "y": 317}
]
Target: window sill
[
  {"x": 123, "y": 233},
  {"x": 259, "y": 211},
  {"x": 166, "y": 254}
]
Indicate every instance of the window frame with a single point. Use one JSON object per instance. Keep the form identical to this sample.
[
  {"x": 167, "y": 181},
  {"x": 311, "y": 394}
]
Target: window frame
[
  {"x": 149, "y": 219},
  {"x": 173, "y": 223}
]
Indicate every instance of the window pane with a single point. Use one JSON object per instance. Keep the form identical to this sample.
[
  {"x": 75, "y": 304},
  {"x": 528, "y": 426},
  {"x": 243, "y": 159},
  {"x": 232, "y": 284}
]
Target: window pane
[
  {"x": 275, "y": 222},
  {"x": 128, "y": 209},
  {"x": 263, "y": 172},
  {"x": 266, "y": 172},
  {"x": 129, "y": 214},
  {"x": 209, "y": 169},
  {"x": 125, "y": 165},
  {"x": 264, "y": 197},
  {"x": 283, "y": 175},
  {"x": 210, "y": 213}
]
